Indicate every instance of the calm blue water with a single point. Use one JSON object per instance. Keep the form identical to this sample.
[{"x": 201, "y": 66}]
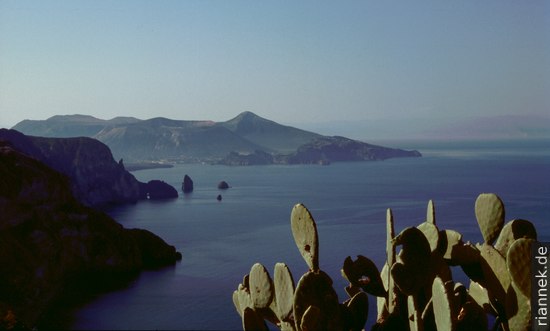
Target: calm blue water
[{"x": 220, "y": 241}]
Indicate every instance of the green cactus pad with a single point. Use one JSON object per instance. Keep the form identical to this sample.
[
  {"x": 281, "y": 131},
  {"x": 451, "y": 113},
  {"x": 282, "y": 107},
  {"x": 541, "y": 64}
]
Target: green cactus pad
[
  {"x": 416, "y": 248},
  {"x": 430, "y": 213},
  {"x": 310, "y": 319},
  {"x": 252, "y": 321},
  {"x": 518, "y": 263},
  {"x": 513, "y": 230},
  {"x": 261, "y": 286},
  {"x": 443, "y": 305},
  {"x": 496, "y": 276},
  {"x": 284, "y": 291},
  {"x": 305, "y": 235},
  {"x": 414, "y": 314},
  {"x": 460, "y": 294},
  {"x": 359, "y": 308},
  {"x": 471, "y": 317},
  {"x": 236, "y": 302},
  {"x": 315, "y": 289},
  {"x": 390, "y": 260},
  {"x": 364, "y": 273},
  {"x": 405, "y": 279},
  {"x": 390, "y": 234},
  {"x": 489, "y": 211},
  {"x": 431, "y": 232},
  {"x": 480, "y": 295},
  {"x": 352, "y": 290},
  {"x": 448, "y": 240},
  {"x": 382, "y": 303},
  {"x": 244, "y": 299},
  {"x": 518, "y": 309}
]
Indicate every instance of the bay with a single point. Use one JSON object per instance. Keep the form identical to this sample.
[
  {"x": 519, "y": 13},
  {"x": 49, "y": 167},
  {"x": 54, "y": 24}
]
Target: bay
[{"x": 221, "y": 240}]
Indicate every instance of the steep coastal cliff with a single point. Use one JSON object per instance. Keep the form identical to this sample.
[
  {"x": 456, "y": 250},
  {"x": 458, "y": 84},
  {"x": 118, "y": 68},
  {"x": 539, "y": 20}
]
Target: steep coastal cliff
[
  {"x": 96, "y": 178},
  {"x": 49, "y": 241}
]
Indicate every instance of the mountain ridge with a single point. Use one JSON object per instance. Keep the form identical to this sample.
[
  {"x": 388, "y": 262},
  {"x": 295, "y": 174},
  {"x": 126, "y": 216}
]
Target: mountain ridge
[{"x": 176, "y": 141}]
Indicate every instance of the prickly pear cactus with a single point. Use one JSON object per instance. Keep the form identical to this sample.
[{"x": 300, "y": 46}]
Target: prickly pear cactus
[
  {"x": 430, "y": 213},
  {"x": 284, "y": 291},
  {"x": 518, "y": 263},
  {"x": 363, "y": 273},
  {"x": 315, "y": 289},
  {"x": 261, "y": 287},
  {"x": 310, "y": 319},
  {"x": 415, "y": 314},
  {"x": 489, "y": 211},
  {"x": 449, "y": 241},
  {"x": 513, "y": 230},
  {"x": 443, "y": 308},
  {"x": 431, "y": 232},
  {"x": 496, "y": 276},
  {"x": 252, "y": 321},
  {"x": 358, "y": 307},
  {"x": 305, "y": 235},
  {"x": 414, "y": 289}
]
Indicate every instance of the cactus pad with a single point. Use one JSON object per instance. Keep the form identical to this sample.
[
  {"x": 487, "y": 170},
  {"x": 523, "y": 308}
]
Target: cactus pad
[
  {"x": 443, "y": 305},
  {"x": 497, "y": 278},
  {"x": 315, "y": 289},
  {"x": 364, "y": 273},
  {"x": 359, "y": 308},
  {"x": 305, "y": 235},
  {"x": 415, "y": 314},
  {"x": 390, "y": 234},
  {"x": 518, "y": 263},
  {"x": 513, "y": 230},
  {"x": 252, "y": 321},
  {"x": 310, "y": 319},
  {"x": 431, "y": 232},
  {"x": 416, "y": 248},
  {"x": 472, "y": 317},
  {"x": 489, "y": 211},
  {"x": 261, "y": 286},
  {"x": 284, "y": 291},
  {"x": 448, "y": 241},
  {"x": 430, "y": 213}
]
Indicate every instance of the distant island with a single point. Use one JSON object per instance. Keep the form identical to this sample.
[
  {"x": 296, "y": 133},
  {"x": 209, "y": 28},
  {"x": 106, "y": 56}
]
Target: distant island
[{"x": 247, "y": 139}]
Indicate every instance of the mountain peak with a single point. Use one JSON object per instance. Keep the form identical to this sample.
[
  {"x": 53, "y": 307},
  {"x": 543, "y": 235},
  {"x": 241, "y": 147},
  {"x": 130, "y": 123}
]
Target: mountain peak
[{"x": 74, "y": 118}]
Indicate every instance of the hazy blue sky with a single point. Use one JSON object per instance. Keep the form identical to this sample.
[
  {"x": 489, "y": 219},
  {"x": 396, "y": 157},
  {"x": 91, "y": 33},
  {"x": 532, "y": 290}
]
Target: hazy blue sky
[{"x": 290, "y": 61}]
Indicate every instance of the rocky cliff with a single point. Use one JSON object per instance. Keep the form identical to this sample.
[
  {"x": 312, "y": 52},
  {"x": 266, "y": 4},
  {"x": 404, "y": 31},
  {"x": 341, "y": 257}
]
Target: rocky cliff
[
  {"x": 49, "y": 240},
  {"x": 96, "y": 178}
]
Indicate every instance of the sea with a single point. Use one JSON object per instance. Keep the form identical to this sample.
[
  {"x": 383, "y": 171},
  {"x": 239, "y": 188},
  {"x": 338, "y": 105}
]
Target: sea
[{"x": 221, "y": 240}]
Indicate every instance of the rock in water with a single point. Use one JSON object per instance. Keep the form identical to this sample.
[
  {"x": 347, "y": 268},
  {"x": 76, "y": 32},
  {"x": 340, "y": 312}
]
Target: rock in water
[
  {"x": 223, "y": 185},
  {"x": 158, "y": 189},
  {"x": 219, "y": 197},
  {"x": 187, "y": 185}
]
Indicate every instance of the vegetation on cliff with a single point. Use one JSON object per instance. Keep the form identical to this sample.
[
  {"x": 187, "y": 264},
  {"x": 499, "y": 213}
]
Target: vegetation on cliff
[{"x": 49, "y": 240}]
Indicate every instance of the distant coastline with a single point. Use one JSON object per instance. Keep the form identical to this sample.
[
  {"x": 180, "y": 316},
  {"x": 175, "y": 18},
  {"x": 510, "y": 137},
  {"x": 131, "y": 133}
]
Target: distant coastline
[{"x": 136, "y": 166}]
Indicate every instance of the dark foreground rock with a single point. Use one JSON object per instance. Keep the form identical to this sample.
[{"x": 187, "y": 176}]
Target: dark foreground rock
[{"x": 49, "y": 241}]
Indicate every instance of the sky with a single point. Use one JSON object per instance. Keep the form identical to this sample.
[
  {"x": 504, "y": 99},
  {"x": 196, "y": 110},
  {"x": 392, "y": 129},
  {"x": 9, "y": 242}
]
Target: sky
[{"x": 289, "y": 61}]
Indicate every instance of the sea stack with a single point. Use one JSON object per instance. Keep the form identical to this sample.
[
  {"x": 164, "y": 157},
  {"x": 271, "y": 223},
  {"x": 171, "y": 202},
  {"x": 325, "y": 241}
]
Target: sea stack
[{"x": 187, "y": 185}]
